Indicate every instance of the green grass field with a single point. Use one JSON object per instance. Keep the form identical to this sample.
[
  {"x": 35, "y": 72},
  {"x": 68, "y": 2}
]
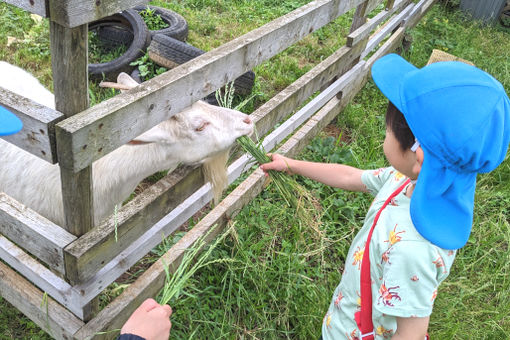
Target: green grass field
[{"x": 275, "y": 281}]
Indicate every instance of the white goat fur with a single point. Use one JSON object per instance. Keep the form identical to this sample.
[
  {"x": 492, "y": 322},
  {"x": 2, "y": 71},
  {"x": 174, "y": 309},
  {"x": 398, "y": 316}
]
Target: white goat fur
[{"x": 200, "y": 133}]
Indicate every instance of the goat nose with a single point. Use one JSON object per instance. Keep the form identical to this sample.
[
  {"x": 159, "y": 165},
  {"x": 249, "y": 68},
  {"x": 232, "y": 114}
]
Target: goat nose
[{"x": 247, "y": 120}]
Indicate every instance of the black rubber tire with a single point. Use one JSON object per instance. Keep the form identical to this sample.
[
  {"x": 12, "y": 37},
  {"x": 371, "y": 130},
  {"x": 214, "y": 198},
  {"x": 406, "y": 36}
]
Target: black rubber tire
[
  {"x": 177, "y": 25},
  {"x": 129, "y": 20},
  {"x": 170, "y": 52},
  {"x": 113, "y": 36}
]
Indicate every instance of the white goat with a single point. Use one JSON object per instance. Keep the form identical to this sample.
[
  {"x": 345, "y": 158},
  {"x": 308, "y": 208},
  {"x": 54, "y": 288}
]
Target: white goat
[{"x": 200, "y": 133}]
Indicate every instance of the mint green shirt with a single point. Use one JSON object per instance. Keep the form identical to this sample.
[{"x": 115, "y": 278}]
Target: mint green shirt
[{"x": 406, "y": 269}]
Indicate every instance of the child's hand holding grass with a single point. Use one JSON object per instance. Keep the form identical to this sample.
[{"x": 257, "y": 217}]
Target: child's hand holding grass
[{"x": 277, "y": 163}]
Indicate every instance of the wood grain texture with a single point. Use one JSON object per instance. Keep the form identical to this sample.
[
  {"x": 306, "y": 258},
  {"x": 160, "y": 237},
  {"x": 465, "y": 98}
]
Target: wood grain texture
[
  {"x": 41, "y": 309},
  {"x": 364, "y": 31},
  {"x": 38, "y": 133},
  {"x": 38, "y": 7},
  {"x": 388, "y": 28},
  {"x": 70, "y": 81},
  {"x": 97, "y": 131},
  {"x": 72, "y": 13},
  {"x": 88, "y": 254},
  {"x": 39, "y": 236}
]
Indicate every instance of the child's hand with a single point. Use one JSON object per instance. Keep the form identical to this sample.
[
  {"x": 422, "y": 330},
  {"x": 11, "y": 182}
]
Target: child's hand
[
  {"x": 150, "y": 321},
  {"x": 278, "y": 163}
]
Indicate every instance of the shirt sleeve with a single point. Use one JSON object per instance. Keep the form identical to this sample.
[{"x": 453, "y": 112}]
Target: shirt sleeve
[
  {"x": 375, "y": 179},
  {"x": 409, "y": 284}
]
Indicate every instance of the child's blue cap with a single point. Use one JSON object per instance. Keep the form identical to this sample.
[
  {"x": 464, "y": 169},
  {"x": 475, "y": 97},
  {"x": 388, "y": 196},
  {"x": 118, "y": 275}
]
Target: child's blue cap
[
  {"x": 461, "y": 117},
  {"x": 9, "y": 123}
]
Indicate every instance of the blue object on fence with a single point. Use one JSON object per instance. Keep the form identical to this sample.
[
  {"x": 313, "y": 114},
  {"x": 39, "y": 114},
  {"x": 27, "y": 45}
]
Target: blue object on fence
[{"x": 9, "y": 123}]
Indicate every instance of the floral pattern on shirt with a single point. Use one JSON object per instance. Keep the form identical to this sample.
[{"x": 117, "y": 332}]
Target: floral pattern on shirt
[{"x": 406, "y": 269}]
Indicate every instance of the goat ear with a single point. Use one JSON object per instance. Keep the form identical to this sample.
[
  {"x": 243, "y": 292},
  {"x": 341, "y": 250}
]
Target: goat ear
[
  {"x": 125, "y": 79},
  {"x": 154, "y": 135}
]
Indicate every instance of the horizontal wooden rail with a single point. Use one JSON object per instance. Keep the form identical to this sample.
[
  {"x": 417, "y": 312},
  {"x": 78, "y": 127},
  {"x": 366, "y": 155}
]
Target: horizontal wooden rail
[
  {"x": 149, "y": 284},
  {"x": 72, "y": 13},
  {"x": 152, "y": 280},
  {"x": 184, "y": 211},
  {"x": 89, "y": 261},
  {"x": 393, "y": 23},
  {"x": 39, "y": 236},
  {"x": 298, "y": 92},
  {"x": 364, "y": 31},
  {"x": 40, "y": 276},
  {"x": 38, "y": 133},
  {"x": 86, "y": 255},
  {"x": 91, "y": 134},
  {"x": 38, "y": 7},
  {"x": 418, "y": 12},
  {"x": 43, "y": 310}
]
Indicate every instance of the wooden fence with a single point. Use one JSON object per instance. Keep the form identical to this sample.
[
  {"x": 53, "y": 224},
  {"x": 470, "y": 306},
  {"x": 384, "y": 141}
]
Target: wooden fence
[{"x": 67, "y": 267}]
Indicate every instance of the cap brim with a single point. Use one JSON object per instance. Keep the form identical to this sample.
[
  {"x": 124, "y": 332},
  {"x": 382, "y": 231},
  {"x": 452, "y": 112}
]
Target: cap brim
[
  {"x": 9, "y": 123},
  {"x": 442, "y": 204},
  {"x": 388, "y": 73}
]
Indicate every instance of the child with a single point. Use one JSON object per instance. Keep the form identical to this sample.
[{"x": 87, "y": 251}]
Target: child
[{"x": 445, "y": 123}]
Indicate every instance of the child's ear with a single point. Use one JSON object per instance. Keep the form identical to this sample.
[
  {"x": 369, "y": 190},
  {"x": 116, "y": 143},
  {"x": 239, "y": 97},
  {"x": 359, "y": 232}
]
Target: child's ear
[{"x": 419, "y": 161}]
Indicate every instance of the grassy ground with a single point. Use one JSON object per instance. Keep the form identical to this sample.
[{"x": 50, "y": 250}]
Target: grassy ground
[{"x": 277, "y": 282}]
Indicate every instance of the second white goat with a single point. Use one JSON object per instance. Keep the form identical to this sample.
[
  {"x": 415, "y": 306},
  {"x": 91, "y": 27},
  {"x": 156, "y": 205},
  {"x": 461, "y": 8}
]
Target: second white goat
[{"x": 201, "y": 133}]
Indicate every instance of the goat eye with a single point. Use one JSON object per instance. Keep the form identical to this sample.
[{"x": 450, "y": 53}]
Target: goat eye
[{"x": 202, "y": 126}]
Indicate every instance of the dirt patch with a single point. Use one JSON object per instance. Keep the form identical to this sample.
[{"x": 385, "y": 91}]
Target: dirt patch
[{"x": 334, "y": 131}]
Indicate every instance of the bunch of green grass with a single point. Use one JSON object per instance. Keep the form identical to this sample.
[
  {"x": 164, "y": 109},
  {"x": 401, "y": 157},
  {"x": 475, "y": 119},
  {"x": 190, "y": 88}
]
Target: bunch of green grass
[
  {"x": 295, "y": 195},
  {"x": 174, "y": 283}
]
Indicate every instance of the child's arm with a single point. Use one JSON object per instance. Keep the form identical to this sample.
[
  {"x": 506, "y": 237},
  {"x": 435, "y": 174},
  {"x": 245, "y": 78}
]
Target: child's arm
[
  {"x": 335, "y": 175},
  {"x": 411, "y": 328}
]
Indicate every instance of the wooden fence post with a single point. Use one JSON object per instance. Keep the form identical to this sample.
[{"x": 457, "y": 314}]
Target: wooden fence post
[{"x": 69, "y": 64}]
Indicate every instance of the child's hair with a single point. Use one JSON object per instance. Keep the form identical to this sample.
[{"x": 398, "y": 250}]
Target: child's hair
[{"x": 396, "y": 122}]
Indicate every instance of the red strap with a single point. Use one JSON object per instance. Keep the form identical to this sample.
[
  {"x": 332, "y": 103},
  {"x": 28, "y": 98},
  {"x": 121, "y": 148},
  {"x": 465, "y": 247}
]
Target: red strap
[{"x": 364, "y": 319}]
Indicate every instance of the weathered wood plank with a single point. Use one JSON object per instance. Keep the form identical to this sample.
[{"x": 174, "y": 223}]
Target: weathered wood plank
[
  {"x": 363, "y": 31},
  {"x": 390, "y": 4},
  {"x": 39, "y": 236},
  {"x": 136, "y": 250},
  {"x": 97, "y": 131},
  {"x": 38, "y": 133},
  {"x": 70, "y": 81},
  {"x": 102, "y": 278},
  {"x": 271, "y": 112},
  {"x": 69, "y": 62},
  {"x": 394, "y": 22},
  {"x": 38, "y": 7},
  {"x": 40, "y": 276},
  {"x": 152, "y": 280},
  {"x": 99, "y": 246},
  {"x": 72, "y": 13},
  {"x": 43, "y": 310},
  {"x": 147, "y": 241},
  {"x": 359, "y": 17},
  {"x": 85, "y": 256},
  {"x": 128, "y": 257},
  {"x": 419, "y": 10},
  {"x": 389, "y": 46}
]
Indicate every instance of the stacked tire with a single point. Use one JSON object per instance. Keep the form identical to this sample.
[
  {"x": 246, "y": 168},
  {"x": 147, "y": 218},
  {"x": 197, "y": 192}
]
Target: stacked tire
[{"x": 166, "y": 47}]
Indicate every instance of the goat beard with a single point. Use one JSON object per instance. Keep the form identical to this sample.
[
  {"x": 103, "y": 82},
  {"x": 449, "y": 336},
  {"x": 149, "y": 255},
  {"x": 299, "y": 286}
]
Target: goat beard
[{"x": 215, "y": 172}]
